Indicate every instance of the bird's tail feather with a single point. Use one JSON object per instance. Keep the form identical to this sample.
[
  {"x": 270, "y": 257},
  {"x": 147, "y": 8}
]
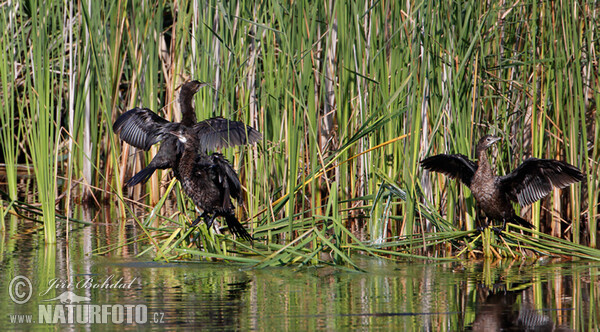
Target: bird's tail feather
[
  {"x": 140, "y": 177},
  {"x": 236, "y": 228}
]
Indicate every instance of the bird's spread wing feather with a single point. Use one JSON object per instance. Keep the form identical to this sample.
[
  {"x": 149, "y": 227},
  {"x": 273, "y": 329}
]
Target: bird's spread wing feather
[
  {"x": 142, "y": 128},
  {"x": 535, "y": 178},
  {"x": 452, "y": 165},
  {"x": 218, "y": 133}
]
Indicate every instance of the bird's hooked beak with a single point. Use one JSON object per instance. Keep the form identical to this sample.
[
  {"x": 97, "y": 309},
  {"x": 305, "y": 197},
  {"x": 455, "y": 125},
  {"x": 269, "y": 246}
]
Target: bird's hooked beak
[
  {"x": 485, "y": 142},
  {"x": 199, "y": 85},
  {"x": 194, "y": 86},
  {"x": 494, "y": 140},
  {"x": 203, "y": 84}
]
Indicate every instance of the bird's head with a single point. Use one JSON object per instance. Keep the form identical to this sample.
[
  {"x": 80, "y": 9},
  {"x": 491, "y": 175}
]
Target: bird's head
[
  {"x": 485, "y": 142},
  {"x": 192, "y": 87},
  {"x": 189, "y": 89}
]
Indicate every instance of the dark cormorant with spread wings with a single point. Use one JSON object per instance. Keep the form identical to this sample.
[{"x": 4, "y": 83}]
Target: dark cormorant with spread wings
[
  {"x": 143, "y": 128},
  {"x": 531, "y": 181}
]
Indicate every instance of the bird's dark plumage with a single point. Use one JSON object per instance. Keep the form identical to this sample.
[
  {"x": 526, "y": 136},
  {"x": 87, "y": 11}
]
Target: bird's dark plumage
[
  {"x": 452, "y": 165},
  {"x": 167, "y": 157},
  {"x": 143, "y": 128},
  {"x": 535, "y": 178},
  {"x": 531, "y": 181},
  {"x": 210, "y": 181}
]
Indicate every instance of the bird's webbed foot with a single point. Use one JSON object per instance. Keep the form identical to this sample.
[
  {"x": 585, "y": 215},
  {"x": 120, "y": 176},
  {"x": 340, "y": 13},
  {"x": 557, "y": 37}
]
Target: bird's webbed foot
[
  {"x": 200, "y": 217},
  {"x": 196, "y": 221},
  {"x": 498, "y": 230},
  {"x": 209, "y": 219}
]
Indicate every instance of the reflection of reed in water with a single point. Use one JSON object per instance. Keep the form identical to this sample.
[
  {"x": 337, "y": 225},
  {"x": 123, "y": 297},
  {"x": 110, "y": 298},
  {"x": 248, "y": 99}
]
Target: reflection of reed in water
[{"x": 497, "y": 309}]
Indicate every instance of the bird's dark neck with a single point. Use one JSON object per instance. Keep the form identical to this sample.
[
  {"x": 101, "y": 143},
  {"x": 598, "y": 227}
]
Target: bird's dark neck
[
  {"x": 190, "y": 147},
  {"x": 186, "y": 103},
  {"x": 484, "y": 166},
  {"x": 188, "y": 157}
]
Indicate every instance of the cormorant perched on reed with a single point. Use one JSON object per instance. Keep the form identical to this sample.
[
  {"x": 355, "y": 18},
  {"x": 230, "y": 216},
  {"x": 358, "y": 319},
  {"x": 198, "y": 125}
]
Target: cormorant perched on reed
[
  {"x": 531, "y": 181},
  {"x": 210, "y": 181},
  {"x": 143, "y": 128}
]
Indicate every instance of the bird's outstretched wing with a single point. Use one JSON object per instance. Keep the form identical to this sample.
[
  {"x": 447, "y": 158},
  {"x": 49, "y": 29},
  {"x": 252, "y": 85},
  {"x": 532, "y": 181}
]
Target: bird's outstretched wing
[
  {"x": 535, "y": 178},
  {"x": 452, "y": 165},
  {"x": 218, "y": 133},
  {"x": 142, "y": 128}
]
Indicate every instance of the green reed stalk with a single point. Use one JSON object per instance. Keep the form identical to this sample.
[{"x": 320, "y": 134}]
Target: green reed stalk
[
  {"x": 44, "y": 117},
  {"x": 10, "y": 133},
  {"x": 590, "y": 96}
]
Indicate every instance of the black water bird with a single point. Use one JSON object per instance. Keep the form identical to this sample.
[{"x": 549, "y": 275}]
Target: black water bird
[
  {"x": 531, "y": 181},
  {"x": 210, "y": 181},
  {"x": 143, "y": 128}
]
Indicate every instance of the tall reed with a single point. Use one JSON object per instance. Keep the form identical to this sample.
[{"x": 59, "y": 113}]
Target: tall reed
[
  {"x": 349, "y": 97},
  {"x": 43, "y": 73},
  {"x": 10, "y": 132}
]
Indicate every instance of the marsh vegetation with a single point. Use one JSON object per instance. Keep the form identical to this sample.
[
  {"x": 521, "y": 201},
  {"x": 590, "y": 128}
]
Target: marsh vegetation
[{"x": 349, "y": 97}]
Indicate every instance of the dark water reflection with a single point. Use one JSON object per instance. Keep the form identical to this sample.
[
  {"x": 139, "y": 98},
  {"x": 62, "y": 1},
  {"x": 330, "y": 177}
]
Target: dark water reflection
[{"x": 391, "y": 296}]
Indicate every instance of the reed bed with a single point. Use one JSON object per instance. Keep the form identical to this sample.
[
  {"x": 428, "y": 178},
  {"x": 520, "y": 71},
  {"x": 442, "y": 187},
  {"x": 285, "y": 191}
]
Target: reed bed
[{"x": 349, "y": 98}]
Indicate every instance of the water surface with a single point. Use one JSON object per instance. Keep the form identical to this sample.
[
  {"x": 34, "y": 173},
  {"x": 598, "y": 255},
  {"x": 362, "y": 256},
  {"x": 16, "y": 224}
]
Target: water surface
[{"x": 406, "y": 296}]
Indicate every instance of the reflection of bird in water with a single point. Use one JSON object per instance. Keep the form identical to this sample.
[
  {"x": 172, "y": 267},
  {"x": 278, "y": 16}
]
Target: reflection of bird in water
[
  {"x": 531, "y": 181},
  {"x": 210, "y": 182},
  {"x": 142, "y": 128},
  {"x": 498, "y": 310},
  {"x": 219, "y": 301}
]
